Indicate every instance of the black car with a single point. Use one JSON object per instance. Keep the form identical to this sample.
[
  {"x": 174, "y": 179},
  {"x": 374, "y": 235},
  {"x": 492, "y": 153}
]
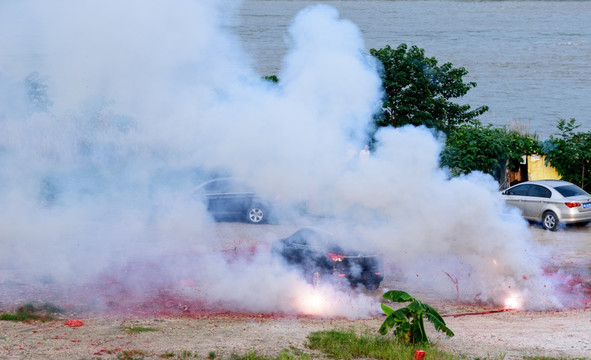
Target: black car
[
  {"x": 321, "y": 259},
  {"x": 227, "y": 198}
]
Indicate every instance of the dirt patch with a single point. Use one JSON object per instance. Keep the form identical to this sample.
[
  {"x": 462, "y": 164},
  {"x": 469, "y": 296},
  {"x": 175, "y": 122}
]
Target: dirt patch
[
  {"x": 508, "y": 335},
  {"x": 184, "y": 325}
]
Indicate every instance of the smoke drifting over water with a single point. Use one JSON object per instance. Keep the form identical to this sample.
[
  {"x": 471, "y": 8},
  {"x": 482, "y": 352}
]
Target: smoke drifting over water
[{"x": 111, "y": 113}]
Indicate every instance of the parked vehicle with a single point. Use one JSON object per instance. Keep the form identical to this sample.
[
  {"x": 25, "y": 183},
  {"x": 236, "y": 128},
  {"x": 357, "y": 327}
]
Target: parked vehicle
[
  {"x": 551, "y": 202},
  {"x": 320, "y": 258},
  {"x": 233, "y": 198}
]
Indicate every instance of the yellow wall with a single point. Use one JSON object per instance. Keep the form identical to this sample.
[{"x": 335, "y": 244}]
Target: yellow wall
[{"x": 538, "y": 170}]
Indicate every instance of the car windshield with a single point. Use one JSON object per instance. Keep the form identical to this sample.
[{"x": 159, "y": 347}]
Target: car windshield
[
  {"x": 310, "y": 238},
  {"x": 570, "y": 190},
  {"x": 223, "y": 186}
]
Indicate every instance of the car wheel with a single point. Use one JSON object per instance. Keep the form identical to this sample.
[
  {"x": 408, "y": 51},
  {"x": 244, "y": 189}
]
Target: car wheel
[
  {"x": 256, "y": 215},
  {"x": 374, "y": 285},
  {"x": 550, "y": 221},
  {"x": 371, "y": 284}
]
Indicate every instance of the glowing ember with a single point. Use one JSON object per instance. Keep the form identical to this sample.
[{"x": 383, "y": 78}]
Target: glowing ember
[
  {"x": 513, "y": 302},
  {"x": 312, "y": 302}
]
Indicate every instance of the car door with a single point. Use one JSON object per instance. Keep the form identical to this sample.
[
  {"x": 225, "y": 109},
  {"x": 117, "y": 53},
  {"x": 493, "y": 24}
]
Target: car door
[
  {"x": 515, "y": 195},
  {"x": 236, "y": 198},
  {"x": 536, "y": 201},
  {"x": 220, "y": 197}
]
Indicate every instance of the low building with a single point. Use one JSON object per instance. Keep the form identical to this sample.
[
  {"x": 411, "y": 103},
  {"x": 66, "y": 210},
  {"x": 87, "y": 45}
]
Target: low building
[{"x": 532, "y": 167}]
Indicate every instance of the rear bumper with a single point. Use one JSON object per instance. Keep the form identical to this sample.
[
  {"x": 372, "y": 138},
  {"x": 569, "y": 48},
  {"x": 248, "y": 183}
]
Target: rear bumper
[{"x": 575, "y": 216}]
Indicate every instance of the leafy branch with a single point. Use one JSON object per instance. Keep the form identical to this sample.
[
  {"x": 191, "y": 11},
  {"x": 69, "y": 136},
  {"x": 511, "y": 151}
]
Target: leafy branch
[{"x": 407, "y": 322}]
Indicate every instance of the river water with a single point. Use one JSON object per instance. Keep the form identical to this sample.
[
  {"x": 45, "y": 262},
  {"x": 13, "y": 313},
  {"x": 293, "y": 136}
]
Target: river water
[{"x": 530, "y": 59}]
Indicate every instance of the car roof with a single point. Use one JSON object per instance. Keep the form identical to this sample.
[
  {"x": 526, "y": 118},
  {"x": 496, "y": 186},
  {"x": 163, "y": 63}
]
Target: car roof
[
  {"x": 222, "y": 179},
  {"x": 312, "y": 231},
  {"x": 551, "y": 183}
]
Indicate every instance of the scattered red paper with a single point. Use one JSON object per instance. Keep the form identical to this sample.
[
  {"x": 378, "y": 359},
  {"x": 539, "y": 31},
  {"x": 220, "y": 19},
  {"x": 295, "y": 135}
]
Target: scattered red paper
[
  {"x": 419, "y": 355},
  {"x": 73, "y": 323}
]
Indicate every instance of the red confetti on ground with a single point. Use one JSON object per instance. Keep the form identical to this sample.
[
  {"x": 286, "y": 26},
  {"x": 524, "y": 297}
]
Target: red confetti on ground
[
  {"x": 73, "y": 323},
  {"x": 577, "y": 287},
  {"x": 478, "y": 313}
]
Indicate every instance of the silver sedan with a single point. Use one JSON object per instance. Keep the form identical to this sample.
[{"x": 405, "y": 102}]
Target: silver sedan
[{"x": 550, "y": 202}]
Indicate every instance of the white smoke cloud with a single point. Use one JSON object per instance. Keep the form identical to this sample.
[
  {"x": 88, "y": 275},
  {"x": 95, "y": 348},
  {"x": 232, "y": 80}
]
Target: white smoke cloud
[{"x": 147, "y": 96}]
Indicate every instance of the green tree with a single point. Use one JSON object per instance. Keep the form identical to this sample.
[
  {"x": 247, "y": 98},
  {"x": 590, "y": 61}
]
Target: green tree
[
  {"x": 486, "y": 148},
  {"x": 418, "y": 91},
  {"x": 570, "y": 153},
  {"x": 37, "y": 92},
  {"x": 407, "y": 322},
  {"x": 272, "y": 78}
]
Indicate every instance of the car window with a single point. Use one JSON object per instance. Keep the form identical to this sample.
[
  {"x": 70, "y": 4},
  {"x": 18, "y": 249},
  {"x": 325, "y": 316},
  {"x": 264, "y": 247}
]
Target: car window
[
  {"x": 218, "y": 186},
  {"x": 570, "y": 190},
  {"x": 539, "y": 191},
  {"x": 520, "y": 190},
  {"x": 226, "y": 186},
  {"x": 309, "y": 237}
]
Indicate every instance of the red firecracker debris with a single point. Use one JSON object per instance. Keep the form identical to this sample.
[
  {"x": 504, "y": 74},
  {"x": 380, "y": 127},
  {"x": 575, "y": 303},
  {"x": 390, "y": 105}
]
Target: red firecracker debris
[
  {"x": 419, "y": 355},
  {"x": 73, "y": 323}
]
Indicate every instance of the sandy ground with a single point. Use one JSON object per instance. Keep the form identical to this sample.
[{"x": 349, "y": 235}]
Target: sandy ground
[
  {"x": 508, "y": 335},
  {"x": 494, "y": 335}
]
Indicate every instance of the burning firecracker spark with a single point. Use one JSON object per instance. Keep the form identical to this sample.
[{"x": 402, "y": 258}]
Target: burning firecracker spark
[
  {"x": 313, "y": 301},
  {"x": 513, "y": 302}
]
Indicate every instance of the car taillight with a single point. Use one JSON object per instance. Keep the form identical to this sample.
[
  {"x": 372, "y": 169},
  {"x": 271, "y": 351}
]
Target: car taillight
[
  {"x": 572, "y": 204},
  {"x": 335, "y": 257}
]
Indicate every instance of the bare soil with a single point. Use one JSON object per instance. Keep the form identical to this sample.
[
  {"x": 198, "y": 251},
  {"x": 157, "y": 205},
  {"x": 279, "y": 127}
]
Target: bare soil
[
  {"x": 508, "y": 335},
  {"x": 480, "y": 332}
]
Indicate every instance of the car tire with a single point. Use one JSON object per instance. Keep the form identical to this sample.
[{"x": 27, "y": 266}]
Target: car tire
[
  {"x": 374, "y": 285},
  {"x": 550, "y": 221},
  {"x": 256, "y": 214}
]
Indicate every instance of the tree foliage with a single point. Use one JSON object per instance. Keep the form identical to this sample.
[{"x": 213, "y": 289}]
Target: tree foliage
[
  {"x": 36, "y": 86},
  {"x": 418, "y": 91},
  {"x": 407, "y": 322},
  {"x": 570, "y": 153},
  {"x": 272, "y": 78},
  {"x": 486, "y": 148}
]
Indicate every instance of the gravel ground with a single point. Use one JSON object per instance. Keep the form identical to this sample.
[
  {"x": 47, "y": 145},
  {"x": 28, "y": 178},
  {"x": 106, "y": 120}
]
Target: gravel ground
[
  {"x": 508, "y": 335},
  {"x": 494, "y": 335}
]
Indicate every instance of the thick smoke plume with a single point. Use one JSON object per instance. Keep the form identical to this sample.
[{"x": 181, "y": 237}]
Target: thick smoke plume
[{"x": 113, "y": 112}]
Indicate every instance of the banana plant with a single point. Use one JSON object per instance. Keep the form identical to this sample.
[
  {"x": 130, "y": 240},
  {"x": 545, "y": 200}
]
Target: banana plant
[{"x": 407, "y": 322}]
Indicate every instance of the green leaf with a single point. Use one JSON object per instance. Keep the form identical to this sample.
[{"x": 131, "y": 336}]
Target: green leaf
[
  {"x": 387, "y": 310},
  {"x": 439, "y": 324},
  {"x": 407, "y": 322},
  {"x": 433, "y": 312},
  {"x": 388, "y": 324},
  {"x": 397, "y": 296},
  {"x": 416, "y": 306},
  {"x": 401, "y": 315}
]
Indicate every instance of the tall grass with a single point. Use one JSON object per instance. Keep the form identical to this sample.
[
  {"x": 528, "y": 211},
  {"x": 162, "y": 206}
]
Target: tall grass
[
  {"x": 30, "y": 312},
  {"x": 348, "y": 345}
]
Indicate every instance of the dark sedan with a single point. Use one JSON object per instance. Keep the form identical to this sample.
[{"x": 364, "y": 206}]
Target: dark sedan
[
  {"x": 231, "y": 198},
  {"x": 320, "y": 258}
]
